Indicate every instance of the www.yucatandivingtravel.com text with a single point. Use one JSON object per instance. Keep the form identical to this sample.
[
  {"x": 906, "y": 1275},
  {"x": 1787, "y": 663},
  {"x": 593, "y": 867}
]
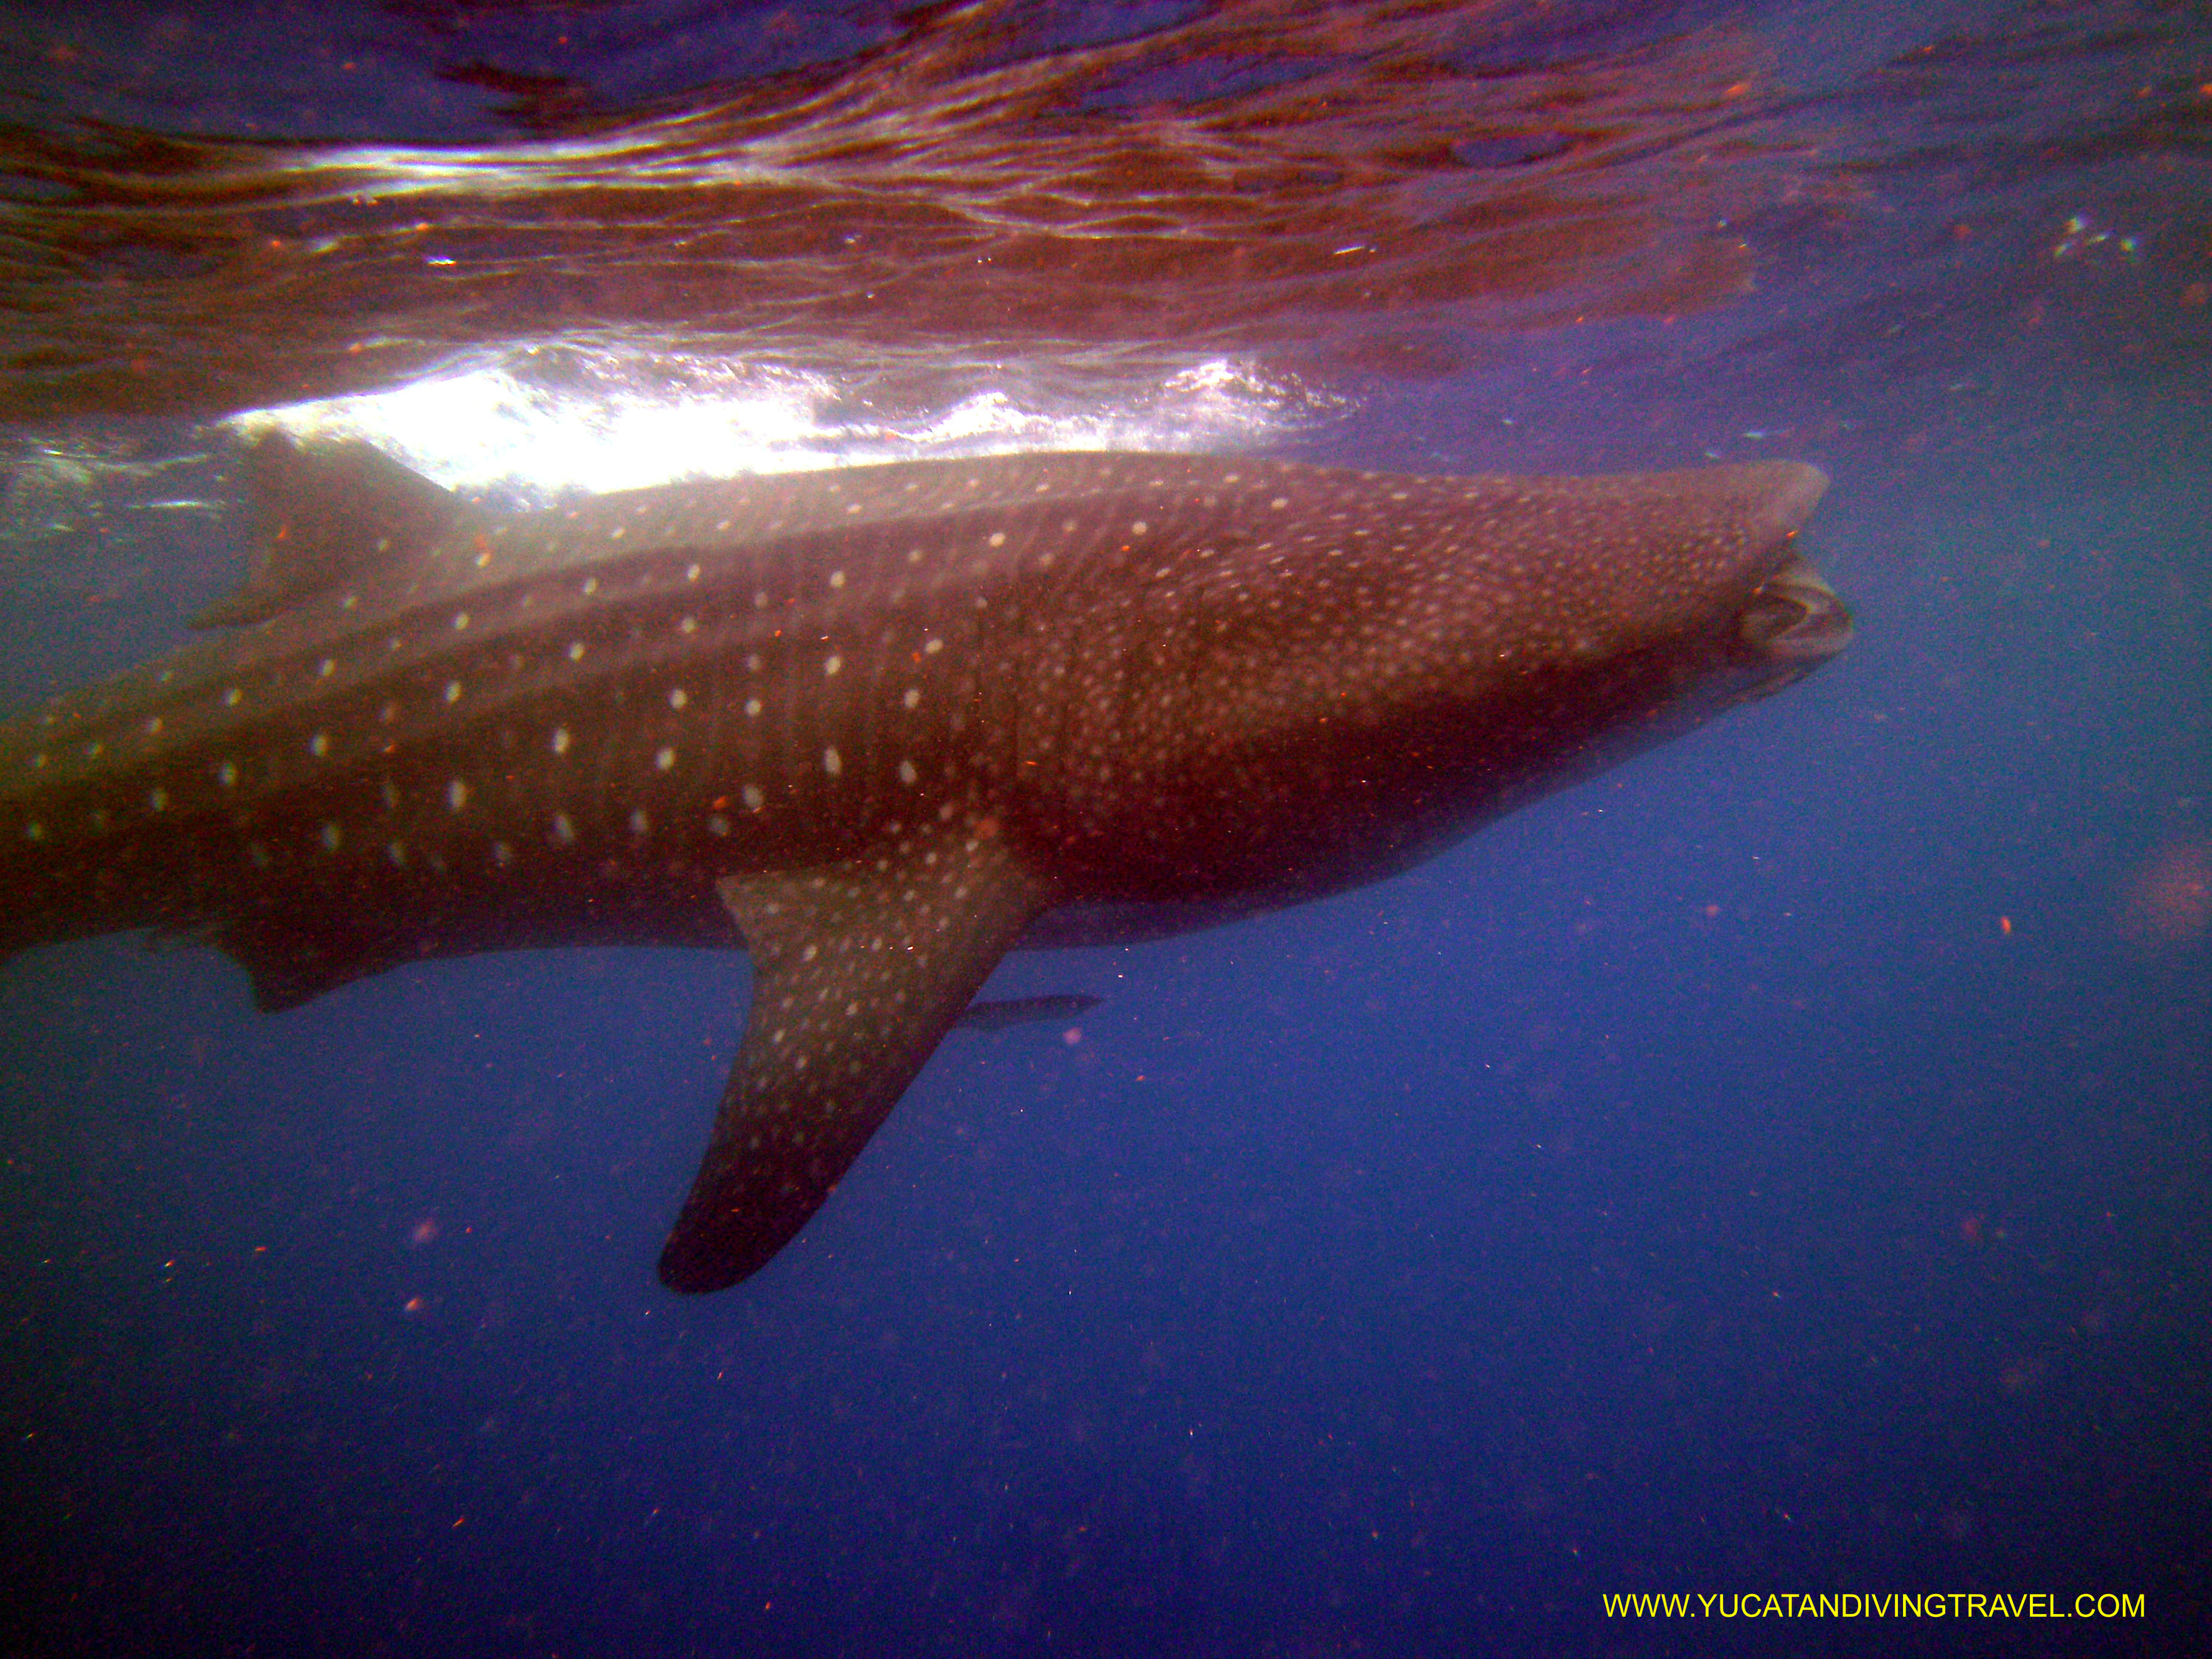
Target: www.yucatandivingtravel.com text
[{"x": 1895, "y": 1604}]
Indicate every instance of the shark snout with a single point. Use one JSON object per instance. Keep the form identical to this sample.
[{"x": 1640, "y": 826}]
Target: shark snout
[{"x": 1796, "y": 616}]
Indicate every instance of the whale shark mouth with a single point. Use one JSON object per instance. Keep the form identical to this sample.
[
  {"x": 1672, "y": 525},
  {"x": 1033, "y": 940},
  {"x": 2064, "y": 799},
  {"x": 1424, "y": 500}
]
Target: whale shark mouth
[{"x": 1796, "y": 616}]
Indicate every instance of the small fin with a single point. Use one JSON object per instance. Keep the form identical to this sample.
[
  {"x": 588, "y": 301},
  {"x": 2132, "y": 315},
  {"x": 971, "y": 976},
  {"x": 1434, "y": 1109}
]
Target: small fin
[
  {"x": 859, "y": 968},
  {"x": 326, "y": 513},
  {"x": 290, "y": 964},
  {"x": 1001, "y": 1013}
]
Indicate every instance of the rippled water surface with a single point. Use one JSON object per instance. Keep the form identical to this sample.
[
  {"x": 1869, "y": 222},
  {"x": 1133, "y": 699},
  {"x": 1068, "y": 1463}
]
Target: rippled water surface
[{"x": 1780, "y": 1165}]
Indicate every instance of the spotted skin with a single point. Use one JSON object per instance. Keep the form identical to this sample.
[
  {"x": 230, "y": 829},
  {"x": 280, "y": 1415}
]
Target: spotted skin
[{"x": 879, "y": 725}]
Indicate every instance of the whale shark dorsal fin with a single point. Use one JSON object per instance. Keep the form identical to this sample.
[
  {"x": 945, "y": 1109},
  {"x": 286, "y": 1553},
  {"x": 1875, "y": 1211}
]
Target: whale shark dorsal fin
[
  {"x": 860, "y": 968},
  {"x": 326, "y": 513}
]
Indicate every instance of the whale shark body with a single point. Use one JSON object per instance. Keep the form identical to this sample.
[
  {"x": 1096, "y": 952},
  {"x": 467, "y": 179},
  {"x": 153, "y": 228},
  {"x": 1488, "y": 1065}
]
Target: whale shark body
[{"x": 876, "y": 726}]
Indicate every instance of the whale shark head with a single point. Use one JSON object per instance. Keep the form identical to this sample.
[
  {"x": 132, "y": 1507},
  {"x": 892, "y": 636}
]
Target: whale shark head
[{"x": 1284, "y": 708}]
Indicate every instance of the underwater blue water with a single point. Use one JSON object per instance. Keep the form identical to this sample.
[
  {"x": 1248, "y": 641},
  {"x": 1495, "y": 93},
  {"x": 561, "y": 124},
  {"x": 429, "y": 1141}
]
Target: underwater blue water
[{"x": 1779, "y": 1165}]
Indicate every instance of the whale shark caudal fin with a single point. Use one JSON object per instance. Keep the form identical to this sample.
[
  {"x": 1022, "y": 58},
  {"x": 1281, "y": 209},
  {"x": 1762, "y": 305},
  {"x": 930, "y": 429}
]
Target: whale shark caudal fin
[{"x": 860, "y": 968}]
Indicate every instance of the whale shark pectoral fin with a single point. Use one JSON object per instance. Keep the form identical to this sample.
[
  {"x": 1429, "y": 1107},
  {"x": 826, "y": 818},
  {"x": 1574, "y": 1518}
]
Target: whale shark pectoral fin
[{"x": 859, "y": 968}]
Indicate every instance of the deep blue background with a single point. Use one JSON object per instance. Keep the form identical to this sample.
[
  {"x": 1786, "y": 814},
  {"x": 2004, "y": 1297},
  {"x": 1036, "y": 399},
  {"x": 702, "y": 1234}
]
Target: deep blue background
[{"x": 1780, "y": 1164}]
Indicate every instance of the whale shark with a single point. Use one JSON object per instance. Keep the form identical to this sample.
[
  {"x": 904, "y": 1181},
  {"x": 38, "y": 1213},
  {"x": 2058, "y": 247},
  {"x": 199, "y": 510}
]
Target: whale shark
[{"x": 875, "y": 726}]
